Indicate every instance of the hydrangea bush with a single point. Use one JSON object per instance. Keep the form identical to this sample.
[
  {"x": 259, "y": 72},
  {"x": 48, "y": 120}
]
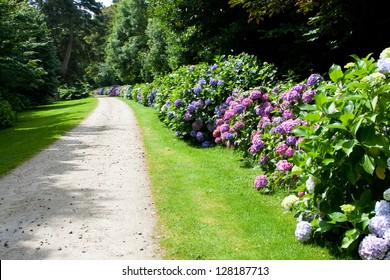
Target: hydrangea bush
[
  {"x": 187, "y": 100},
  {"x": 345, "y": 155},
  {"x": 325, "y": 139}
]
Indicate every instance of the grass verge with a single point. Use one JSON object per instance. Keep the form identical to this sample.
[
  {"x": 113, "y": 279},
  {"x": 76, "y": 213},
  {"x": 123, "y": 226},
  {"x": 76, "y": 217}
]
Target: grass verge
[
  {"x": 37, "y": 128},
  {"x": 207, "y": 206}
]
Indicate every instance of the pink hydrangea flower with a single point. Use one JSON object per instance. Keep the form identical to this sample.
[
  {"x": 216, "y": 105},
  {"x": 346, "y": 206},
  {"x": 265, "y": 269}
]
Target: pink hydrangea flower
[
  {"x": 283, "y": 165},
  {"x": 281, "y": 149}
]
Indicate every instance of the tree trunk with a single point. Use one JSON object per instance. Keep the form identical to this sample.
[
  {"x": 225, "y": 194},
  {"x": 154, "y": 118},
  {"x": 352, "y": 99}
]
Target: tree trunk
[{"x": 65, "y": 63}]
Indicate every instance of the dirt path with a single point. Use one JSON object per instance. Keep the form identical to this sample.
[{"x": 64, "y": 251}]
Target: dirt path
[{"x": 86, "y": 196}]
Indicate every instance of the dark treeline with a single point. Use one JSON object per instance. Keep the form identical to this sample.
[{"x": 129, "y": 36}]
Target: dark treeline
[{"x": 48, "y": 43}]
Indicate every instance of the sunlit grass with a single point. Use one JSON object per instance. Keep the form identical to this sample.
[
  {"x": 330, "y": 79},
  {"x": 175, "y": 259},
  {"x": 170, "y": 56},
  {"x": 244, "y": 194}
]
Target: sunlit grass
[
  {"x": 39, "y": 127},
  {"x": 207, "y": 206}
]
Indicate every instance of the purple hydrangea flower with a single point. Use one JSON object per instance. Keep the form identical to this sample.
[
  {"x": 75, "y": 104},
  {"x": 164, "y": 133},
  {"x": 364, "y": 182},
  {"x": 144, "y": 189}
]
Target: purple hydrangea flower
[
  {"x": 191, "y": 108},
  {"x": 382, "y": 208},
  {"x": 379, "y": 224},
  {"x": 219, "y": 122},
  {"x": 291, "y": 140},
  {"x": 220, "y": 82},
  {"x": 256, "y": 94},
  {"x": 193, "y": 133},
  {"x": 288, "y": 126},
  {"x": 308, "y": 96},
  {"x": 299, "y": 88},
  {"x": 313, "y": 79},
  {"x": 277, "y": 120},
  {"x": 197, "y": 125},
  {"x": 224, "y": 128},
  {"x": 215, "y": 66},
  {"x": 199, "y": 136},
  {"x": 279, "y": 129},
  {"x": 187, "y": 116},
  {"x": 303, "y": 231},
  {"x": 292, "y": 95},
  {"x": 239, "y": 125},
  {"x": 276, "y": 89},
  {"x": 288, "y": 114},
  {"x": 208, "y": 102},
  {"x": 264, "y": 159},
  {"x": 247, "y": 102},
  {"x": 260, "y": 182},
  {"x": 372, "y": 248},
  {"x": 265, "y": 97},
  {"x": 259, "y": 111},
  {"x": 239, "y": 108},
  {"x": 283, "y": 165},
  {"x": 289, "y": 152},
  {"x": 281, "y": 149},
  {"x": 229, "y": 114}
]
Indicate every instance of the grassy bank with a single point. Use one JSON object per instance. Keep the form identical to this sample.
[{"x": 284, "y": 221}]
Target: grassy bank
[
  {"x": 207, "y": 206},
  {"x": 39, "y": 127}
]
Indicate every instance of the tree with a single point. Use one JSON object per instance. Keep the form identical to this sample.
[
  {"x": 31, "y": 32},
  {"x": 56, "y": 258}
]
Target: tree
[
  {"x": 70, "y": 22},
  {"x": 128, "y": 40},
  {"x": 28, "y": 65}
]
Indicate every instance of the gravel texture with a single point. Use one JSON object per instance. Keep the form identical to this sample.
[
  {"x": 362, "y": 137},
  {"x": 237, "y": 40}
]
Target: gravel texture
[{"x": 87, "y": 196}]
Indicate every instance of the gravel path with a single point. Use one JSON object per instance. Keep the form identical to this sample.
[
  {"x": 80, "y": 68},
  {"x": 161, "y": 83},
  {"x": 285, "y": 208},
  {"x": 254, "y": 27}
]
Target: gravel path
[{"x": 86, "y": 196}]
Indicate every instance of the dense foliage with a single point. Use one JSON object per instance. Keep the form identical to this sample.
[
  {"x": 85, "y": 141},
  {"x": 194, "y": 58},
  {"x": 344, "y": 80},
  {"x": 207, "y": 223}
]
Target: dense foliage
[
  {"x": 324, "y": 140},
  {"x": 28, "y": 66}
]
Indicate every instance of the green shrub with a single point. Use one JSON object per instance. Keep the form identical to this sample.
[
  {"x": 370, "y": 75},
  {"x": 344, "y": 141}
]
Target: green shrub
[{"x": 7, "y": 114}]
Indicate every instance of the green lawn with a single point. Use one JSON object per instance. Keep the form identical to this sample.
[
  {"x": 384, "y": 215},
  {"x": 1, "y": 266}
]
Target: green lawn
[
  {"x": 207, "y": 206},
  {"x": 37, "y": 128}
]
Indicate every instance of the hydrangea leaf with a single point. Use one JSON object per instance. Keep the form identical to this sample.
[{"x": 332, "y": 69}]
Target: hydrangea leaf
[
  {"x": 367, "y": 163},
  {"x": 349, "y": 237},
  {"x": 338, "y": 217},
  {"x": 335, "y": 73}
]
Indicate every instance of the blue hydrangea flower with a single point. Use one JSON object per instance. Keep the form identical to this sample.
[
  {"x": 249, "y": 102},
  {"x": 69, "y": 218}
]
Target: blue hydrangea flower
[
  {"x": 206, "y": 144},
  {"x": 303, "y": 231},
  {"x": 215, "y": 66},
  {"x": 220, "y": 82},
  {"x": 177, "y": 102},
  {"x": 382, "y": 208},
  {"x": 383, "y": 65},
  {"x": 372, "y": 248},
  {"x": 199, "y": 136},
  {"x": 379, "y": 224},
  {"x": 201, "y": 82},
  {"x": 197, "y": 89},
  {"x": 229, "y": 136},
  {"x": 213, "y": 82}
]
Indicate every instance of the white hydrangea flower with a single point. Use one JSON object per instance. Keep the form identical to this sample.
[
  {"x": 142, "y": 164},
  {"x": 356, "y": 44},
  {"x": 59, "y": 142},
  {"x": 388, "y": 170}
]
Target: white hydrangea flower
[
  {"x": 289, "y": 201},
  {"x": 303, "y": 231},
  {"x": 310, "y": 184},
  {"x": 388, "y": 163},
  {"x": 386, "y": 194},
  {"x": 385, "y": 53}
]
